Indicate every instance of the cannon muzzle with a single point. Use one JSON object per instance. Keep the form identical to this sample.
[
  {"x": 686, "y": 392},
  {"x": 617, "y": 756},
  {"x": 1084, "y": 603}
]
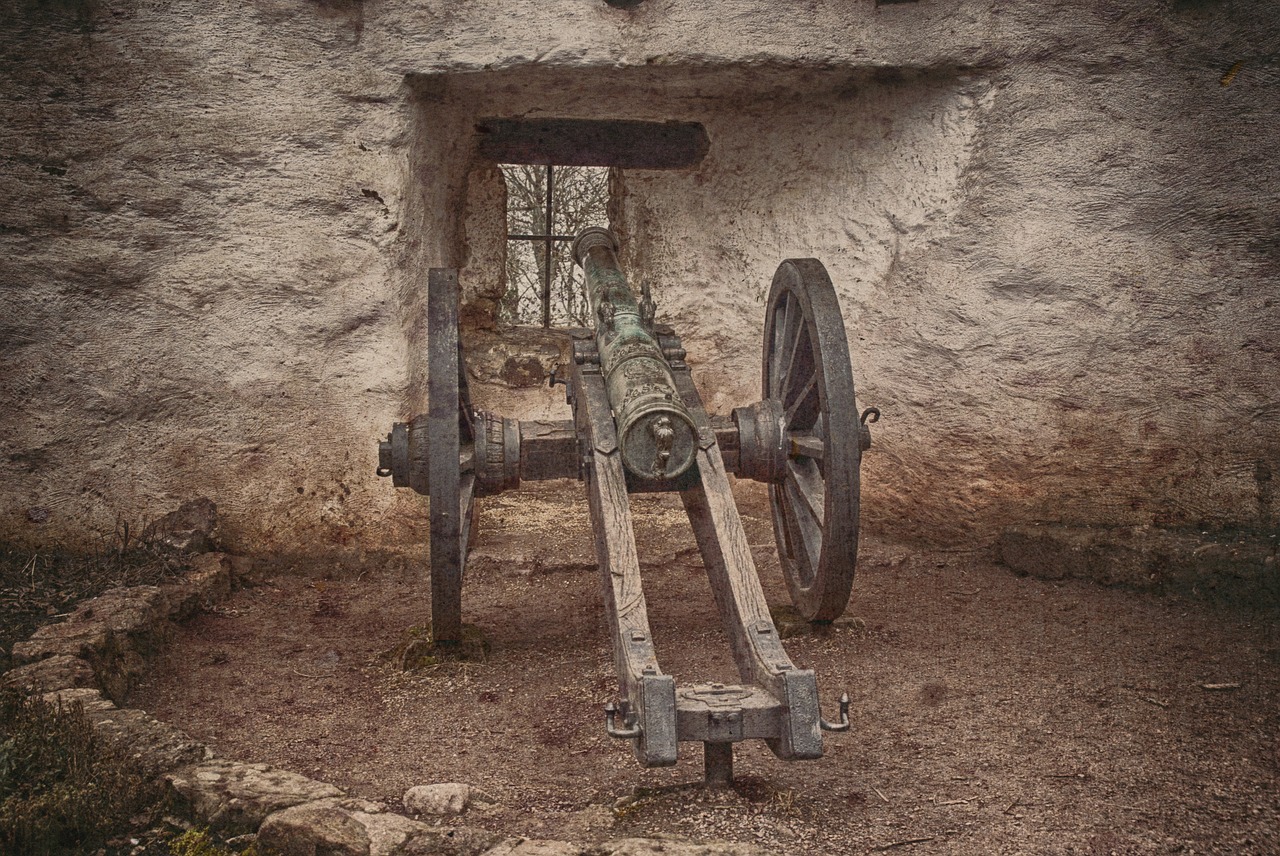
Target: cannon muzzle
[{"x": 656, "y": 435}]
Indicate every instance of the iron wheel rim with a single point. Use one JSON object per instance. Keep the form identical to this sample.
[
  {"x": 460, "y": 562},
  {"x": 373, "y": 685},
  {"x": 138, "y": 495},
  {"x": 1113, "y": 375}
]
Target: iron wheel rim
[{"x": 815, "y": 502}]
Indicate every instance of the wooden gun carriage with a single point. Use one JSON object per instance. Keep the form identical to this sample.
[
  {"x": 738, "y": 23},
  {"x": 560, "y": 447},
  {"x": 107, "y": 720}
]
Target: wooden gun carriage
[{"x": 639, "y": 425}]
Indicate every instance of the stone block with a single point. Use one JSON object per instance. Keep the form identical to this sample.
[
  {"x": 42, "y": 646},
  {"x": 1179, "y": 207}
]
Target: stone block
[
  {"x": 450, "y": 841},
  {"x": 671, "y": 845},
  {"x": 91, "y": 700},
  {"x": 78, "y": 635},
  {"x": 192, "y": 528},
  {"x": 1144, "y": 558},
  {"x": 117, "y": 631},
  {"x": 135, "y": 612},
  {"x": 322, "y": 828},
  {"x": 244, "y": 572},
  {"x": 235, "y": 798},
  {"x": 438, "y": 799},
  {"x": 387, "y": 832},
  {"x": 157, "y": 746},
  {"x": 353, "y": 826},
  {"x": 207, "y": 582},
  {"x": 535, "y": 847},
  {"x": 61, "y": 671}
]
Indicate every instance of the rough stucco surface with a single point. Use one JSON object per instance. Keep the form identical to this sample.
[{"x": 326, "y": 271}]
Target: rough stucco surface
[{"x": 1052, "y": 228}]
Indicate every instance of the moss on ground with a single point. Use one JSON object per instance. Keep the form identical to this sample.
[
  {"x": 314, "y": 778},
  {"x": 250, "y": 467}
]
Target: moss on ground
[
  {"x": 198, "y": 842},
  {"x": 418, "y": 650}
]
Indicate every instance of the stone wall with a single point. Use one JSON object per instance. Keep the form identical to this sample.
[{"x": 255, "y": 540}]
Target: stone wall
[{"x": 1052, "y": 227}]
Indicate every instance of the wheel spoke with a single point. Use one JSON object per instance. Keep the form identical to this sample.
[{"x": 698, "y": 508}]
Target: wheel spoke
[
  {"x": 789, "y": 375},
  {"x": 810, "y": 390},
  {"x": 808, "y": 530},
  {"x": 798, "y": 554},
  {"x": 780, "y": 522},
  {"x": 819, "y": 431},
  {"x": 774, "y": 357},
  {"x": 786, "y": 342},
  {"x": 466, "y": 514},
  {"x": 805, "y": 483},
  {"x": 466, "y": 413}
]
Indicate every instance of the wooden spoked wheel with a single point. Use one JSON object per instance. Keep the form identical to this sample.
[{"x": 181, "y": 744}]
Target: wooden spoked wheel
[
  {"x": 815, "y": 498},
  {"x": 450, "y": 426}
]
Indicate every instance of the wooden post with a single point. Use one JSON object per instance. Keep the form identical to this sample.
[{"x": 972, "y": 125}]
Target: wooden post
[{"x": 717, "y": 764}]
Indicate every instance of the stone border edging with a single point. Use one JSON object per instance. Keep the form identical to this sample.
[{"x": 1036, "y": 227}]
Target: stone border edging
[
  {"x": 1146, "y": 558},
  {"x": 96, "y": 655}
]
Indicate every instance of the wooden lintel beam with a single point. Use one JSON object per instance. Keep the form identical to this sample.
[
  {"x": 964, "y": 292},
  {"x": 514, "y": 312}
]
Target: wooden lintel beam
[{"x": 629, "y": 144}]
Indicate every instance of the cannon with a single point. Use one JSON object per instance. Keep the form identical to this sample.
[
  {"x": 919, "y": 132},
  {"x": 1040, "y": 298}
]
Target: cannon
[{"x": 639, "y": 425}]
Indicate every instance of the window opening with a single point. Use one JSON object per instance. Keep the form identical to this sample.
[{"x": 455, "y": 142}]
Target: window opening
[{"x": 547, "y": 206}]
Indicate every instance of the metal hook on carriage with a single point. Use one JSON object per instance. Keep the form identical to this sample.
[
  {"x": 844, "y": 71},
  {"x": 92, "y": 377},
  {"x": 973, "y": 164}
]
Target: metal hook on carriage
[
  {"x": 843, "y": 724},
  {"x": 556, "y": 378},
  {"x": 632, "y": 730},
  {"x": 871, "y": 414}
]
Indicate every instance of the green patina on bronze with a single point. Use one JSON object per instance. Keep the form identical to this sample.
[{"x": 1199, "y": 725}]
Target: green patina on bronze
[{"x": 656, "y": 434}]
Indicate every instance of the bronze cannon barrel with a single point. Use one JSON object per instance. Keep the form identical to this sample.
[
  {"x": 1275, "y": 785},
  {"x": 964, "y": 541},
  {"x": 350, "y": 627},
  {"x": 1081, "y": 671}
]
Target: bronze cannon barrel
[{"x": 656, "y": 435}]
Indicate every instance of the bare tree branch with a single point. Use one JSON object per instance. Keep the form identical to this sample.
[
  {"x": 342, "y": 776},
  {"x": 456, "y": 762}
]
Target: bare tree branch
[{"x": 581, "y": 197}]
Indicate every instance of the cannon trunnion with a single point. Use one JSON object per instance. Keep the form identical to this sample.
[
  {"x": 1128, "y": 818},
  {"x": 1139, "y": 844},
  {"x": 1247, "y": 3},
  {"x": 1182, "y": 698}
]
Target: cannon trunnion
[{"x": 639, "y": 424}]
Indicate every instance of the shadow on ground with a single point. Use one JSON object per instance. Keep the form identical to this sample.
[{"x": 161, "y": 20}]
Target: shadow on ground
[{"x": 992, "y": 713}]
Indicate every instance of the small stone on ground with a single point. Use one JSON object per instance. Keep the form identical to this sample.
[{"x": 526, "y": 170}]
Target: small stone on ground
[{"x": 439, "y": 799}]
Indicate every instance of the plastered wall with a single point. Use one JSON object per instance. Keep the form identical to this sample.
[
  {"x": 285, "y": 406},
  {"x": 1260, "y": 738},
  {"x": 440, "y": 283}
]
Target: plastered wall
[{"x": 1051, "y": 225}]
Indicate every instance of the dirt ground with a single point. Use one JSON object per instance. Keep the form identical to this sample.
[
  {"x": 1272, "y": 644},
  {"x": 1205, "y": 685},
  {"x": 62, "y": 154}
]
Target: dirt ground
[{"x": 991, "y": 713}]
